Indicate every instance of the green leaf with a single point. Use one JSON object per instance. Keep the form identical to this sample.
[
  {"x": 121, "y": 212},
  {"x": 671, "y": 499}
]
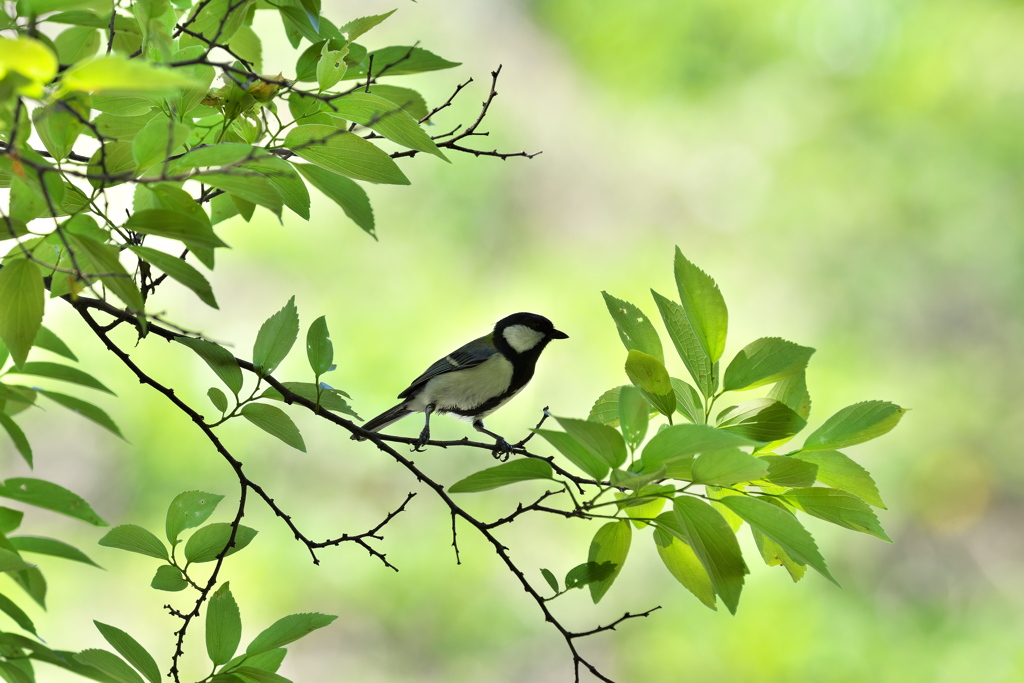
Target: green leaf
[
  {"x": 77, "y": 44},
  {"x": 358, "y": 27},
  {"x": 399, "y": 60},
  {"x": 135, "y": 539},
  {"x": 177, "y": 269},
  {"x": 110, "y": 664},
  {"x": 344, "y": 192},
  {"x": 114, "y": 161},
  {"x": 764, "y": 361},
  {"x": 762, "y": 419},
  {"x": 286, "y": 630},
  {"x": 714, "y": 543},
  {"x": 606, "y": 408},
  {"x": 116, "y": 74},
  {"x": 59, "y": 124},
  {"x": 650, "y": 375},
  {"x": 12, "y": 610},
  {"x": 793, "y": 392},
  {"x": 790, "y": 472},
  {"x": 275, "y": 338},
  {"x": 503, "y": 475},
  {"x": 104, "y": 259},
  {"x": 386, "y": 118},
  {"x": 45, "y": 339},
  {"x": 248, "y": 184},
  {"x": 17, "y": 436},
  {"x": 550, "y": 578},
  {"x": 21, "y": 290},
  {"x": 219, "y": 154},
  {"x": 209, "y": 541},
  {"x": 587, "y": 573},
  {"x": 774, "y": 555},
  {"x": 610, "y": 545},
  {"x": 219, "y": 359},
  {"x": 168, "y": 578},
  {"x": 854, "y": 424},
  {"x": 218, "y": 399},
  {"x": 283, "y": 176},
  {"x": 634, "y": 415},
  {"x": 330, "y": 399},
  {"x": 223, "y": 626},
  {"x": 781, "y": 527},
  {"x": 704, "y": 307},
  {"x": 131, "y": 650},
  {"x": 31, "y": 59},
  {"x": 267, "y": 661},
  {"x": 682, "y": 562},
  {"x": 83, "y": 408},
  {"x": 11, "y": 561},
  {"x": 684, "y": 441},
  {"x": 688, "y": 401},
  {"x": 157, "y": 141},
  {"x": 189, "y": 509},
  {"x": 260, "y": 676},
  {"x": 50, "y": 496},
  {"x": 635, "y": 328},
  {"x": 50, "y": 546},
  {"x": 10, "y": 519},
  {"x": 217, "y": 21},
  {"x": 576, "y": 453},
  {"x": 319, "y": 349},
  {"x": 840, "y": 472},
  {"x": 275, "y": 422},
  {"x": 34, "y": 584},
  {"x": 409, "y": 100},
  {"x": 727, "y": 467},
  {"x": 64, "y": 373},
  {"x": 331, "y": 67},
  {"x": 600, "y": 440},
  {"x": 645, "y": 504},
  {"x": 174, "y": 225},
  {"x": 346, "y": 153},
  {"x": 838, "y": 507}
]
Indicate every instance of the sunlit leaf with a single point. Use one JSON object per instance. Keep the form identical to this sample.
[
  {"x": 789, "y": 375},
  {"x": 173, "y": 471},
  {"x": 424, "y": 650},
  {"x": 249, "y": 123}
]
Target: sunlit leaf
[
  {"x": 714, "y": 543},
  {"x": 275, "y": 338},
  {"x": 131, "y": 650},
  {"x": 83, "y": 408},
  {"x": 504, "y": 474},
  {"x": 49, "y": 546},
  {"x": 635, "y": 329},
  {"x": 704, "y": 307},
  {"x": 223, "y": 626},
  {"x": 286, "y": 630},
  {"x": 180, "y": 271},
  {"x": 65, "y": 373},
  {"x": 346, "y": 153},
  {"x": 764, "y": 361},
  {"x": 219, "y": 359},
  {"x": 135, "y": 539},
  {"x": 855, "y": 424},
  {"x": 840, "y": 472},
  {"x": 21, "y": 291},
  {"x": 576, "y": 453},
  {"x": 727, "y": 467},
  {"x": 838, "y": 507},
  {"x": 210, "y": 541},
  {"x": 680, "y": 560},
  {"x": 762, "y": 419},
  {"x": 275, "y": 422},
  {"x": 610, "y": 545},
  {"x": 344, "y": 192},
  {"x": 600, "y": 440},
  {"x": 189, "y": 509},
  {"x": 110, "y": 664}
]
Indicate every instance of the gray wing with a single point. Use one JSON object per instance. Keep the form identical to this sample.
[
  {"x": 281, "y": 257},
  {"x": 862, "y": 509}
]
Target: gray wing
[{"x": 472, "y": 354}]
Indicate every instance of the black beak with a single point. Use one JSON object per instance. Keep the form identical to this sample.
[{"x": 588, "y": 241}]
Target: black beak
[{"x": 558, "y": 334}]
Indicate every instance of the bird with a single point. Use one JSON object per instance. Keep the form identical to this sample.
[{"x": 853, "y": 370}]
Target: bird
[{"x": 476, "y": 379}]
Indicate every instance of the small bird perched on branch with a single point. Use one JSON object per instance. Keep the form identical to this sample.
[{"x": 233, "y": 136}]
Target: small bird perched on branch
[{"x": 477, "y": 379}]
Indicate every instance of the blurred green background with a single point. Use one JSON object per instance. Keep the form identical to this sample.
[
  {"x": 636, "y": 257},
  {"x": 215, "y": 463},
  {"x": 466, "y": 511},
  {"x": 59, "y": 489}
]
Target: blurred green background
[{"x": 849, "y": 171}]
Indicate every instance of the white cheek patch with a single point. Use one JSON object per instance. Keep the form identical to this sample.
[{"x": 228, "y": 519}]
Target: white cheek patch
[
  {"x": 466, "y": 389},
  {"x": 522, "y": 338}
]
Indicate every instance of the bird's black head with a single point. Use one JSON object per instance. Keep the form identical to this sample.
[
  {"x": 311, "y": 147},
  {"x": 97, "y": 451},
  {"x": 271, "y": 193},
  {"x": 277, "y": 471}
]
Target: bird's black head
[{"x": 525, "y": 332}]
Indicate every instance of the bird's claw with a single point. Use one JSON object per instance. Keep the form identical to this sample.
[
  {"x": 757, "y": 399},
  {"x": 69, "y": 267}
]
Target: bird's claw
[{"x": 502, "y": 449}]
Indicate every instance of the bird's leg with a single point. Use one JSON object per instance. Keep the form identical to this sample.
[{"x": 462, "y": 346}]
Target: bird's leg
[
  {"x": 425, "y": 434},
  {"x": 502, "y": 449}
]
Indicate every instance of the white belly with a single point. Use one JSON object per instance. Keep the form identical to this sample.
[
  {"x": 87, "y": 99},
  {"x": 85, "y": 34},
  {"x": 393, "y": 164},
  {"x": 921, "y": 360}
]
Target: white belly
[{"x": 465, "y": 390}]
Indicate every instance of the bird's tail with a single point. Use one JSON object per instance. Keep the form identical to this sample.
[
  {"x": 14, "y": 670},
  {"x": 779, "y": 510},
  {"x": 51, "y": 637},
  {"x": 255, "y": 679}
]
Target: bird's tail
[{"x": 384, "y": 419}]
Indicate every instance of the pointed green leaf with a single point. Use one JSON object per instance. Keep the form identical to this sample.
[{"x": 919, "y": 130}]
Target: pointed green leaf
[
  {"x": 634, "y": 412},
  {"x": 115, "y": 74},
  {"x": 85, "y": 409},
  {"x": 158, "y": 140},
  {"x": 606, "y": 408},
  {"x": 576, "y": 453},
  {"x": 21, "y": 290},
  {"x": 838, "y": 507},
  {"x": 550, "y": 578},
  {"x": 223, "y": 626},
  {"x": 50, "y": 496},
  {"x": 346, "y": 153},
  {"x": 409, "y": 100},
  {"x": 110, "y": 664},
  {"x": 17, "y": 436},
  {"x": 64, "y": 373},
  {"x": 10, "y": 519},
  {"x": 762, "y": 419},
  {"x": 635, "y": 328},
  {"x": 135, "y": 539},
  {"x": 174, "y": 225},
  {"x": 219, "y": 359},
  {"x": 790, "y": 472},
  {"x": 45, "y": 339},
  {"x": 358, "y": 27},
  {"x": 330, "y": 398},
  {"x": 50, "y": 546},
  {"x": 793, "y": 392},
  {"x": 275, "y": 338},
  {"x": 688, "y": 401},
  {"x": 764, "y": 361},
  {"x": 106, "y": 264},
  {"x": 209, "y": 541},
  {"x": 177, "y": 269},
  {"x": 248, "y": 184},
  {"x": 8, "y": 607},
  {"x": 344, "y": 192},
  {"x": 34, "y": 584},
  {"x": 587, "y": 573},
  {"x": 285, "y": 179},
  {"x": 188, "y": 510},
  {"x": 782, "y": 527},
  {"x": 218, "y": 399},
  {"x": 286, "y": 630},
  {"x": 131, "y": 650},
  {"x": 610, "y": 544},
  {"x": 727, "y": 467},
  {"x": 600, "y": 440},
  {"x": 704, "y": 306},
  {"x": 275, "y": 422},
  {"x": 840, "y": 472},
  {"x": 168, "y": 578},
  {"x": 855, "y": 424},
  {"x": 685, "y": 441},
  {"x": 503, "y": 475},
  {"x": 386, "y": 118},
  {"x": 648, "y": 373},
  {"x": 682, "y": 562},
  {"x": 774, "y": 556},
  {"x": 319, "y": 349},
  {"x": 398, "y": 60},
  {"x": 714, "y": 543}
]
